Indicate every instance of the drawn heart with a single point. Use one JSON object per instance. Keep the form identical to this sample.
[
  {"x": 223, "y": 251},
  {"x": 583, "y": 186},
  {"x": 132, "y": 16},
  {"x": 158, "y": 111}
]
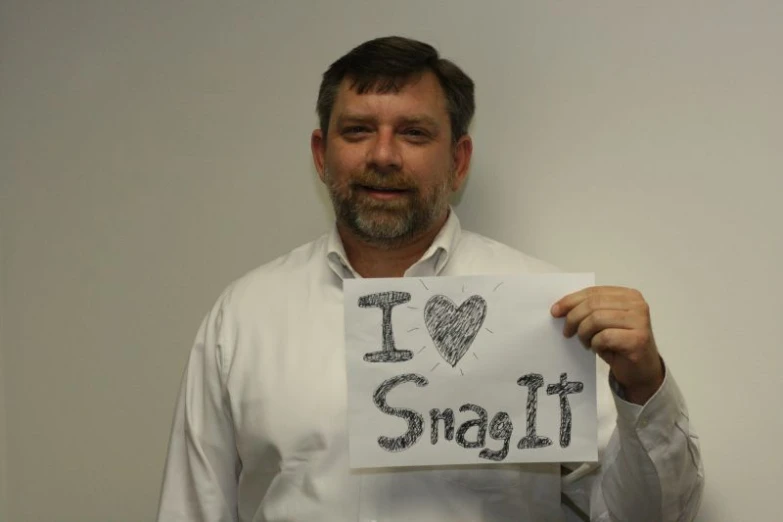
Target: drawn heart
[{"x": 453, "y": 329}]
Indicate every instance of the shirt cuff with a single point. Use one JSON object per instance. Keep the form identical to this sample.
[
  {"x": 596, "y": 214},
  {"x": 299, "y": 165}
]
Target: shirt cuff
[{"x": 660, "y": 411}]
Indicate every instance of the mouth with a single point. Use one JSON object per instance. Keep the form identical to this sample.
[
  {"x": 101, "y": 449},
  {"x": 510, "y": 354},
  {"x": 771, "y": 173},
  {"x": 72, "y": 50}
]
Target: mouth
[{"x": 383, "y": 192}]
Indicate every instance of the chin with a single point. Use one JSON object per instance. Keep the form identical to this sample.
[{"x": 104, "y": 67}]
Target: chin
[{"x": 383, "y": 230}]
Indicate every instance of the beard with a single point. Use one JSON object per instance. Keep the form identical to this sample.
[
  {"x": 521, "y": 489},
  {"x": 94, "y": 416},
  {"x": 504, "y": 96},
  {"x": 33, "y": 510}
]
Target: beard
[{"x": 389, "y": 222}]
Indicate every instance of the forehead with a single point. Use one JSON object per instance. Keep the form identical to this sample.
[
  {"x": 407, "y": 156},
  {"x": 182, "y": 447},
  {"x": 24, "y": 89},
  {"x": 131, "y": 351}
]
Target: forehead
[{"x": 421, "y": 94}]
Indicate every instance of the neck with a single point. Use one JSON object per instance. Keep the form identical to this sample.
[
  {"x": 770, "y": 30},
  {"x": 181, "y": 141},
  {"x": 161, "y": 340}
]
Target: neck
[{"x": 376, "y": 260}]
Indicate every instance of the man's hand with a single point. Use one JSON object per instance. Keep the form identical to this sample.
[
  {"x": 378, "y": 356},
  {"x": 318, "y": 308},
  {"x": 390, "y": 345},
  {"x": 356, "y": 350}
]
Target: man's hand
[{"x": 614, "y": 322}]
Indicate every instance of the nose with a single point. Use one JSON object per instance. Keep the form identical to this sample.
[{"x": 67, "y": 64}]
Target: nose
[{"x": 384, "y": 154}]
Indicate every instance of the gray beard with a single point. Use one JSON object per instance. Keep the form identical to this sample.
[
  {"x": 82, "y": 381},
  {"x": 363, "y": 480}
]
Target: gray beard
[{"x": 386, "y": 225}]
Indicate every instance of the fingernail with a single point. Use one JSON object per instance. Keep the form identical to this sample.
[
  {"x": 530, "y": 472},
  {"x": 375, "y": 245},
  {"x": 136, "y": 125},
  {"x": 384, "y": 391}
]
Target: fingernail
[{"x": 555, "y": 309}]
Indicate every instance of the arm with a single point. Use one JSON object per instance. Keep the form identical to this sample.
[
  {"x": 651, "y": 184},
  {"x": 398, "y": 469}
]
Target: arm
[
  {"x": 651, "y": 469},
  {"x": 200, "y": 477}
]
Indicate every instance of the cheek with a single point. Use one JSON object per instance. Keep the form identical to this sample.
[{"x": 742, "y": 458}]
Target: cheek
[
  {"x": 341, "y": 172},
  {"x": 435, "y": 173},
  {"x": 345, "y": 159}
]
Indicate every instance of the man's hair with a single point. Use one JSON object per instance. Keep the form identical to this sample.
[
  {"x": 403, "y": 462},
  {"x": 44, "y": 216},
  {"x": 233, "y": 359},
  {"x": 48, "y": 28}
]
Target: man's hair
[{"x": 386, "y": 65}]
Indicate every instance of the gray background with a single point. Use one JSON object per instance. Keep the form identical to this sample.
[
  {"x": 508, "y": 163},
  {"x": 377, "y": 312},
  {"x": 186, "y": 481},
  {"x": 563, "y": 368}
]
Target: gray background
[{"x": 152, "y": 151}]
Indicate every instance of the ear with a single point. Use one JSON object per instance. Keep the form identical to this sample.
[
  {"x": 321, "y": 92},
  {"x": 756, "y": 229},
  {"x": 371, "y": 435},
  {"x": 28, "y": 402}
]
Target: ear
[
  {"x": 318, "y": 148},
  {"x": 462, "y": 151}
]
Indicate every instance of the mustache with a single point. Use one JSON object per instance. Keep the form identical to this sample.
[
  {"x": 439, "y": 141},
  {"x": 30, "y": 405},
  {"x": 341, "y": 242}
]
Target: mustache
[{"x": 380, "y": 181}]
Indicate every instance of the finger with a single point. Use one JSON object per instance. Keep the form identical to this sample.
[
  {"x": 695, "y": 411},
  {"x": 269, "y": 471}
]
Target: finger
[
  {"x": 601, "y": 320},
  {"x": 621, "y": 342},
  {"x": 612, "y": 341},
  {"x": 588, "y": 306},
  {"x": 569, "y": 302},
  {"x": 606, "y": 344}
]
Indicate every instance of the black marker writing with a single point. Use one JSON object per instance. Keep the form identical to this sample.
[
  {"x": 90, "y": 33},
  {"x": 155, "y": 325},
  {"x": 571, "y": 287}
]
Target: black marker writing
[
  {"x": 448, "y": 424},
  {"x": 564, "y": 389},
  {"x": 531, "y": 440},
  {"x": 480, "y": 423},
  {"x": 453, "y": 328},
  {"x": 414, "y": 419},
  {"x": 386, "y": 301},
  {"x": 500, "y": 428}
]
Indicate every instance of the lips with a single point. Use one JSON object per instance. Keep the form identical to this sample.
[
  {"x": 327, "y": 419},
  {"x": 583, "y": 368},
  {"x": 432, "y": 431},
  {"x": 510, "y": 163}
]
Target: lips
[
  {"x": 383, "y": 193},
  {"x": 382, "y": 188}
]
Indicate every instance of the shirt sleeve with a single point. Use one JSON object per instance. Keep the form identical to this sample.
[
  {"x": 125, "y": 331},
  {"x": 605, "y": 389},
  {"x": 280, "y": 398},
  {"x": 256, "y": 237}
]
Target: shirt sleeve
[
  {"x": 200, "y": 476},
  {"x": 651, "y": 469}
]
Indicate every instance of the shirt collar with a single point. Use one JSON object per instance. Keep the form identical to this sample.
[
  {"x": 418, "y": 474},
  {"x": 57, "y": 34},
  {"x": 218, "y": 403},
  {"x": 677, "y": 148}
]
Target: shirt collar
[{"x": 430, "y": 264}]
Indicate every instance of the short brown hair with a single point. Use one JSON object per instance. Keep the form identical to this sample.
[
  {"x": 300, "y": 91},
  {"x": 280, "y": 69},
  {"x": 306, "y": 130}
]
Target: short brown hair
[{"x": 385, "y": 65}]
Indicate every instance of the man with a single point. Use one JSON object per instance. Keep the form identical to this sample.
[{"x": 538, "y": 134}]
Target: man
[{"x": 260, "y": 432}]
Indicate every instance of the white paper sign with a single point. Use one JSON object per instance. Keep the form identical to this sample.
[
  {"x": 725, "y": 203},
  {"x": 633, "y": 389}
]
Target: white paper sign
[{"x": 466, "y": 370}]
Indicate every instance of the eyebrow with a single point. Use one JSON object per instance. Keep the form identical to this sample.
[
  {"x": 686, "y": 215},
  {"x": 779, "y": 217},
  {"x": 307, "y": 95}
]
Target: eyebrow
[
  {"x": 418, "y": 119},
  {"x": 421, "y": 120}
]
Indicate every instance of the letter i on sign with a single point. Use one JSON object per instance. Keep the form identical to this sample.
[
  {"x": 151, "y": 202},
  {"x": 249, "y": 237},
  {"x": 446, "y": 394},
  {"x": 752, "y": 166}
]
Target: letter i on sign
[
  {"x": 386, "y": 301},
  {"x": 531, "y": 440}
]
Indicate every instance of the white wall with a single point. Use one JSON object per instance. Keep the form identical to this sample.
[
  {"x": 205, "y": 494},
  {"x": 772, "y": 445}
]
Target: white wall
[
  {"x": 4, "y": 177},
  {"x": 150, "y": 152},
  {"x": 3, "y": 429}
]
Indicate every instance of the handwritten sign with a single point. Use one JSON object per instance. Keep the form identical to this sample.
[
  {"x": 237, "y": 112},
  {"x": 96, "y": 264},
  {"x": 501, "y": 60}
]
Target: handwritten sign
[{"x": 466, "y": 370}]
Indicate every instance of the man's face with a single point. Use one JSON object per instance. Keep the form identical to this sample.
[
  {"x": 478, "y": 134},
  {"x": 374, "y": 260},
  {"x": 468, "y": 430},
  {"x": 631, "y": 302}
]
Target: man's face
[{"x": 388, "y": 161}]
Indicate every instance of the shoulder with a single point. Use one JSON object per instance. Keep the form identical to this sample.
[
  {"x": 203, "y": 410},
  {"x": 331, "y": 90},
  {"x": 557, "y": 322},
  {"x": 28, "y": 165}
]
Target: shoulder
[
  {"x": 476, "y": 253},
  {"x": 261, "y": 297},
  {"x": 267, "y": 285}
]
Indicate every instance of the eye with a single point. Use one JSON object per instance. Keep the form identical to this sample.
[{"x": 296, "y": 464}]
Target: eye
[
  {"x": 355, "y": 129},
  {"x": 416, "y": 135}
]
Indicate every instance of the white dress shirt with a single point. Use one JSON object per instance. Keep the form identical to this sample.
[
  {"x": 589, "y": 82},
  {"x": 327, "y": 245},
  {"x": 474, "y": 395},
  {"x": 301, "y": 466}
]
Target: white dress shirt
[{"x": 260, "y": 430}]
